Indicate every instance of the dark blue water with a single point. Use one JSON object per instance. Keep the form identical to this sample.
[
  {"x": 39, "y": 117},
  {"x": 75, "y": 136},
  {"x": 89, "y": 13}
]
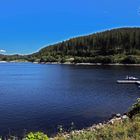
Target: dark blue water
[{"x": 40, "y": 97}]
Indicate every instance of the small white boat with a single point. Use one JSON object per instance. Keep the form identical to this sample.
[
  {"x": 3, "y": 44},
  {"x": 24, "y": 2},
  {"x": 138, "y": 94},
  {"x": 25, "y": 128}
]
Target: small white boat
[{"x": 131, "y": 78}]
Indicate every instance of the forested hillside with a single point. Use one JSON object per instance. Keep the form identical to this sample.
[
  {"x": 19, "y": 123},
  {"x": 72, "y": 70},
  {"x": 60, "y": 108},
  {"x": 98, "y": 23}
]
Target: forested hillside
[
  {"x": 116, "y": 41},
  {"x": 112, "y": 46},
  {"x": 120, "y": 44}
]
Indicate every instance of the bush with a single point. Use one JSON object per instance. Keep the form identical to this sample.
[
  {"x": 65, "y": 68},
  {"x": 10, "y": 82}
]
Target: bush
[
  {"x": 135, "y": 109},
  {"x": 129, "y": 60},
  {"x": 36, "y": 136},
  {"x": 63, "y": 60},
  {"x": 104, "y": 59},
  {"x": 97, "y": 59}
]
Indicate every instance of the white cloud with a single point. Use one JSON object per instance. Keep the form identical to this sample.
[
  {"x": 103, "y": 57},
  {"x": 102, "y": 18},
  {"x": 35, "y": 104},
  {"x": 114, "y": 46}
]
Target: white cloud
[{"x": 2, "y": 51}]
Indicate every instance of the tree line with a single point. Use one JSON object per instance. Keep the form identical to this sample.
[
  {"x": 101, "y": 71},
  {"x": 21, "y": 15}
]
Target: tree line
[{"x": 117, "y": 45}]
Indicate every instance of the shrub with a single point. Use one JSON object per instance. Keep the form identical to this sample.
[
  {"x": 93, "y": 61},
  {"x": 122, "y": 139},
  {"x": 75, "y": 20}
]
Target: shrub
[
  {"x": 135, "y": 109},
  {"x": 36, "y": 136},
  {"x": 104, "y": 59},
  {"x": 129, "y": 60},
  {"x": 63, "y": 60}
]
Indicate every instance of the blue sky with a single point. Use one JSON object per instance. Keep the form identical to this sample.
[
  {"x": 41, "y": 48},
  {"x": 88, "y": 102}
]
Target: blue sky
[{"x": 28, "y": 25}]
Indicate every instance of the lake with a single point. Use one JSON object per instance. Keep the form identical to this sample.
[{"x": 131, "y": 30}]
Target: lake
[{"x": 40, "y": 97}]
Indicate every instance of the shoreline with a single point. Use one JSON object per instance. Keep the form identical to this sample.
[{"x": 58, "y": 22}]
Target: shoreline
[
  {"x": 112, "y": 126},
  {"x": 111, "y": 64},
  {"x": 116, "y": 118},
  {"x": 76, "y": 64},
  {"x": 88, "y": 64}
]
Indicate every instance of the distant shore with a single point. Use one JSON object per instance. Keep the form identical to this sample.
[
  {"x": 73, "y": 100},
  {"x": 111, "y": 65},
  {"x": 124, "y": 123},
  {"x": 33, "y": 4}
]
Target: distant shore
[
  {"x": 69, "y": 63},
  {"x": 14, "y": 61},
  {"x": 115, "y": 64},
  {"x": 91, "y": 64}
]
